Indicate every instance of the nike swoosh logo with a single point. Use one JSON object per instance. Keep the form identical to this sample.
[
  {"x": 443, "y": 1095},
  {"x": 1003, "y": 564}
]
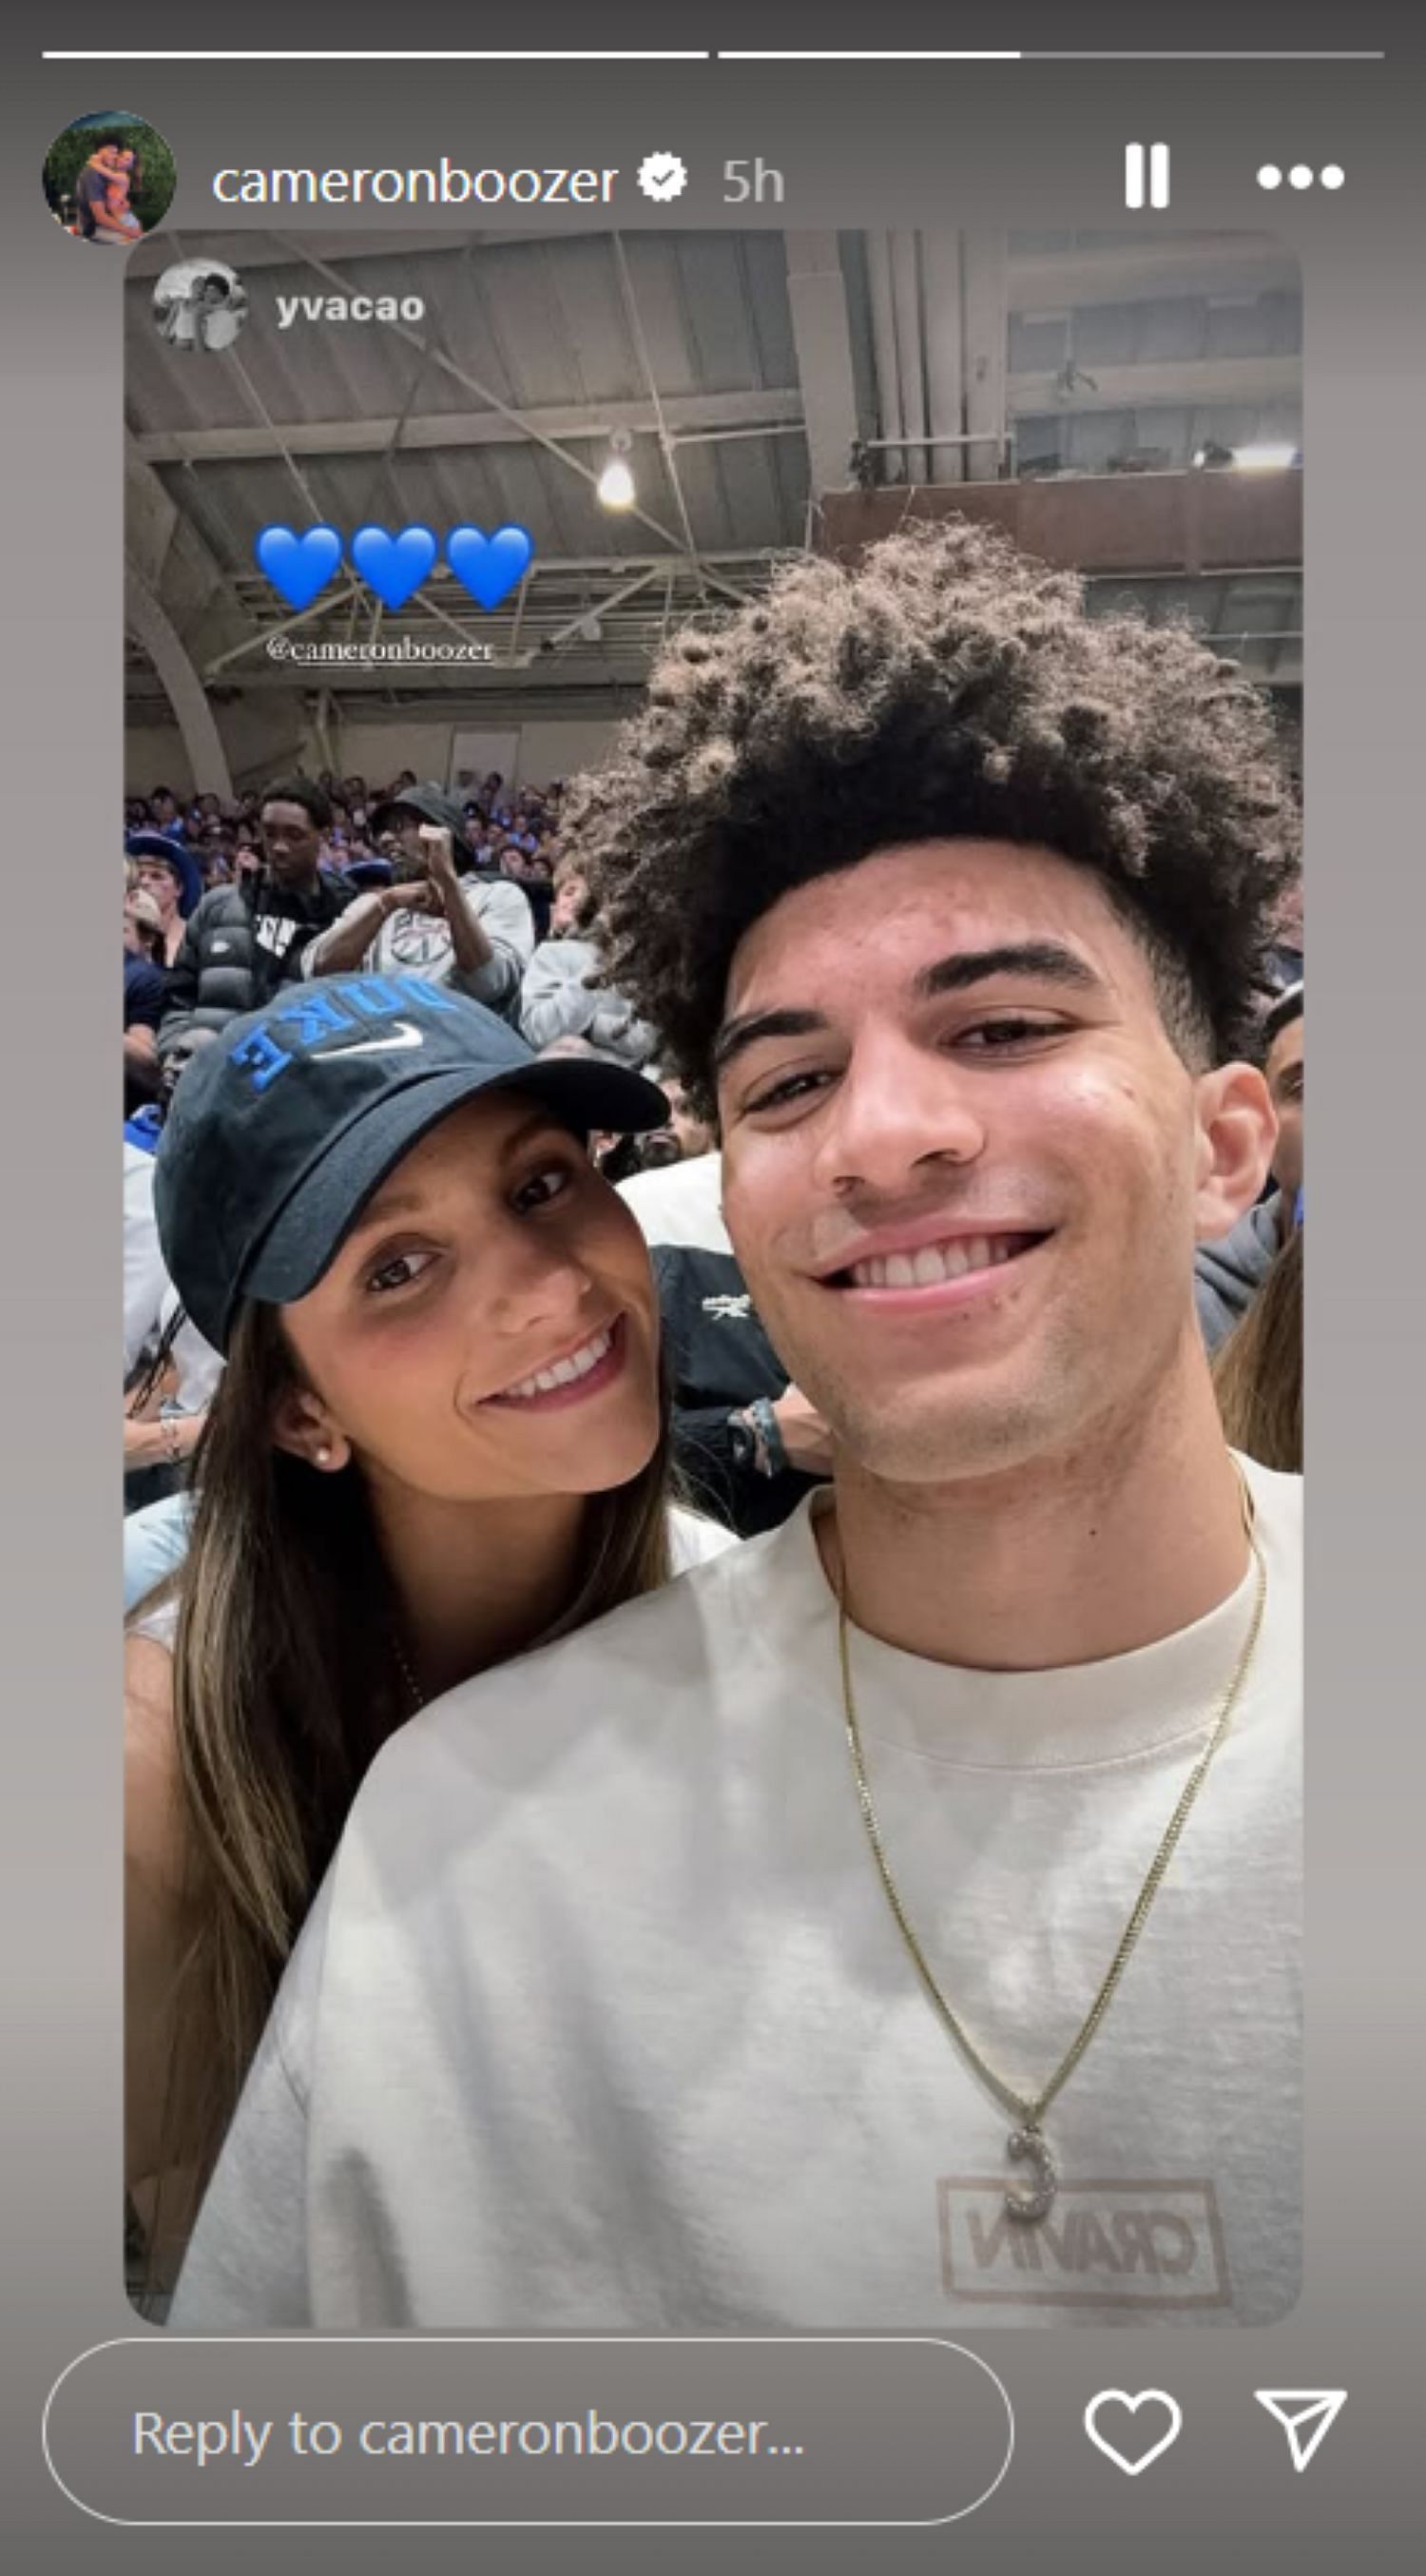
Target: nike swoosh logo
[{"x": 405, "y": 1034}]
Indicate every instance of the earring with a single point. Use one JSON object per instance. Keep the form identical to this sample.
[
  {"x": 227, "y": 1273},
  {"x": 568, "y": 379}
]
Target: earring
[{"x": 324, "y": 1456}]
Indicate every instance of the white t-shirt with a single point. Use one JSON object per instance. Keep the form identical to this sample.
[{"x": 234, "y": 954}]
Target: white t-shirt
[
  {"x": 681, "y": 1203},
  {"x": 601, "y": 2019}
]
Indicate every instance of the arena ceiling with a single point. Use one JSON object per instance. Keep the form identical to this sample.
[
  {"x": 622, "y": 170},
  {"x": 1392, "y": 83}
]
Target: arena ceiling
[{"x": 752, "y": 373}]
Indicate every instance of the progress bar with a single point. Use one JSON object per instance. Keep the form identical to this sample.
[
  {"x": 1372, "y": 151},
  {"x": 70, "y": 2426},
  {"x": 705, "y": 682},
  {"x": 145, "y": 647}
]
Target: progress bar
[{"x": 647, "y": 54}]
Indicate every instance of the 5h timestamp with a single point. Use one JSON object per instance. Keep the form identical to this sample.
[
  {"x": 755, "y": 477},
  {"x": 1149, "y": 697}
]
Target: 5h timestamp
[{"x": 752, "y": 183}]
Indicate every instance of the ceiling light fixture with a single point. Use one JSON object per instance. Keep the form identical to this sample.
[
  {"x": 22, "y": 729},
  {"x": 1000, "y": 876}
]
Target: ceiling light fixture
[
  {"x": 1269, "y": 458},
  {"x": 616, "y": 483}
]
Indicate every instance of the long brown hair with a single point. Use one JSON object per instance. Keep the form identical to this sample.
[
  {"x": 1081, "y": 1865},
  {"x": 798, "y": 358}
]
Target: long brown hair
[
  {"x": 1257, "y": 1371},
  {"x": 285, "y": 1684}
]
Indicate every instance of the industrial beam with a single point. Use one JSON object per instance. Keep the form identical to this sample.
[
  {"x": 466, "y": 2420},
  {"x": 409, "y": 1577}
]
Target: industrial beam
[
  {"x": 631, "y": 670},
  {"x": 1159, "y": 382},
  {"x": 701, "y": 415},
  {"x": 151, "y": 626},
  {"x": 1135, "y": 271},
  {"x": 1107, "y": 523},
  {"x": 821, "y": 333},
  {"x": 986, "y": 328}
]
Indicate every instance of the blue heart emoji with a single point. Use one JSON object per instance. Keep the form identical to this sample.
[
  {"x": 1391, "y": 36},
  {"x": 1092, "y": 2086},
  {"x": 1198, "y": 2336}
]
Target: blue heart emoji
[
  {"x": 393, "y": 566},
  {"x": 489, "y": 567},
  {"x": 298, "y": 567}
]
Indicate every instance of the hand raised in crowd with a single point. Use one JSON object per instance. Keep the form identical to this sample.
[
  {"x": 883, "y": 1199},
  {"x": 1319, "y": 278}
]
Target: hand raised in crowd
[
  {"x": 440, "y": 855},
  {"x": 805, "y": 1436},
  {"x": 412, "y": 894}
]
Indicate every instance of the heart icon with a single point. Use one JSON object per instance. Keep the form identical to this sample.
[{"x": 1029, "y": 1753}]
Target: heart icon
[
  {"x": 297, "y": 567},
  {"x": 393, "y": 566},
  {"x": 1132, "y": 2467},
  {"x": 489, "y": 567}
]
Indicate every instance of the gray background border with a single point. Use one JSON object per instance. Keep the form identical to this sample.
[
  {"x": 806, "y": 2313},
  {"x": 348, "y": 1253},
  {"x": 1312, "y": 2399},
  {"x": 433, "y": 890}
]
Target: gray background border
[{"x": 1058, "y": 161}]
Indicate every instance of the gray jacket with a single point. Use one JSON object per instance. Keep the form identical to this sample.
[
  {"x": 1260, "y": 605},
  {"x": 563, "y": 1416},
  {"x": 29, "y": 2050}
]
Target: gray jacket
[
  {"x": 1227, "y": 1275},
  {"x": 556, "y": 1001}
]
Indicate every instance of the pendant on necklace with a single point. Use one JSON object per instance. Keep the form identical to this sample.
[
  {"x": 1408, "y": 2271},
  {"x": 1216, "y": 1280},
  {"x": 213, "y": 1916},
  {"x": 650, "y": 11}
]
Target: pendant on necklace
[{"x": 1038, "y": 2197}]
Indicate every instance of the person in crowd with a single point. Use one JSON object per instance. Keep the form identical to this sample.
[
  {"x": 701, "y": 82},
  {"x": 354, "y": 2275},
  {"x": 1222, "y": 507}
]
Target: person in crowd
[
  {"x": 143, "y": 923},
  {"x": 217, "y": 858},
  {"x": 164, "y": 813},
  {"x": 1284, "y": 957},
  {"x": 96, "y": 218},
  {"x": 145, "y": 991},
  {"x": 246, "y": 939},
  {"x": 170, "y": 1371},
  {"x": 439, "y": 1437},
  {"x": 748, "y": 1446},
  {"x": 171, "y": 1375},
  {"x": 1229, "y": 1275},
  {"x": 561, "y": 996},
  {"x": 1258, "y": 1369},
  {"x": 438, "y": 919},
  {"x": 687, "y": 1137},
  {"x": 523, "y": 865},
  {"x": 907, "y": 1841},
  {"x": 170, "y": 876}
]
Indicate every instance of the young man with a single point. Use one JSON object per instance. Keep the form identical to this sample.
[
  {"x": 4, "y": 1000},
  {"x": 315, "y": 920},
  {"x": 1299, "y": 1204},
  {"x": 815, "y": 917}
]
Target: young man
[
  {"x": 170, "y": 875},
  {"x": 438, "y": 919},
  {"x": 246, "y": 939},
  {"x": 1228, "y": 1275},
  {"x": 896, "y": 1923}
]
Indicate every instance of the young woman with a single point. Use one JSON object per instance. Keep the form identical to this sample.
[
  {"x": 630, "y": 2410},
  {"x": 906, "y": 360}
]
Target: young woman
[{"x": 440, "y": 1439}]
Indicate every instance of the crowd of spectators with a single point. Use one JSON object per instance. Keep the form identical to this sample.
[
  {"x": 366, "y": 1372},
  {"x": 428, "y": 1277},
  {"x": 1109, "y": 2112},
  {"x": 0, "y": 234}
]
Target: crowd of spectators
[
  {"x": 329, "y": 843},
  {"x": 513, "y": 829}
]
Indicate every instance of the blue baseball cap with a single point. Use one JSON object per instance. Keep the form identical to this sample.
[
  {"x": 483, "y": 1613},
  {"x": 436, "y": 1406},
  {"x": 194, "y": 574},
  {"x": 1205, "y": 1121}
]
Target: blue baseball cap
[
  {"x": 148, "y": 844},
  {"x": 281, "y": 1132}
]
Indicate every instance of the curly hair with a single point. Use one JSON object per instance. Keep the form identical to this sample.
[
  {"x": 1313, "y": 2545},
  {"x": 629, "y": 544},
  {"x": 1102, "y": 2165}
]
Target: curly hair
[{"x": 947, "y": 687}]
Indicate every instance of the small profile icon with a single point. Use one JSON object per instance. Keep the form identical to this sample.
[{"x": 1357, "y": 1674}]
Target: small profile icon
[
  {"x": 200, "y": 304},
  {"x": 109, "y": 178}
]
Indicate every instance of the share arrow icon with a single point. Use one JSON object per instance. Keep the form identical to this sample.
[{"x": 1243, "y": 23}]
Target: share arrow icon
[{"x": 1306, "y": 2415}]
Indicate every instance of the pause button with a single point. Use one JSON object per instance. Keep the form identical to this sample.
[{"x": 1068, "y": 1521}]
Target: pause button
[{"x": 1157, "y": 157}]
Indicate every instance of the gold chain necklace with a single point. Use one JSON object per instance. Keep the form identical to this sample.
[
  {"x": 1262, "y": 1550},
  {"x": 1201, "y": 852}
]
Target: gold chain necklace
[{"x": 1027, "y": 2142}]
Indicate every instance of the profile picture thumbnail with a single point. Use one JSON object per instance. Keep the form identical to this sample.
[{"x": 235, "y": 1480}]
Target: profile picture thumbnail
[
  {"x": 200, "y": 304},
  {"x": 109, "y": 178}
]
